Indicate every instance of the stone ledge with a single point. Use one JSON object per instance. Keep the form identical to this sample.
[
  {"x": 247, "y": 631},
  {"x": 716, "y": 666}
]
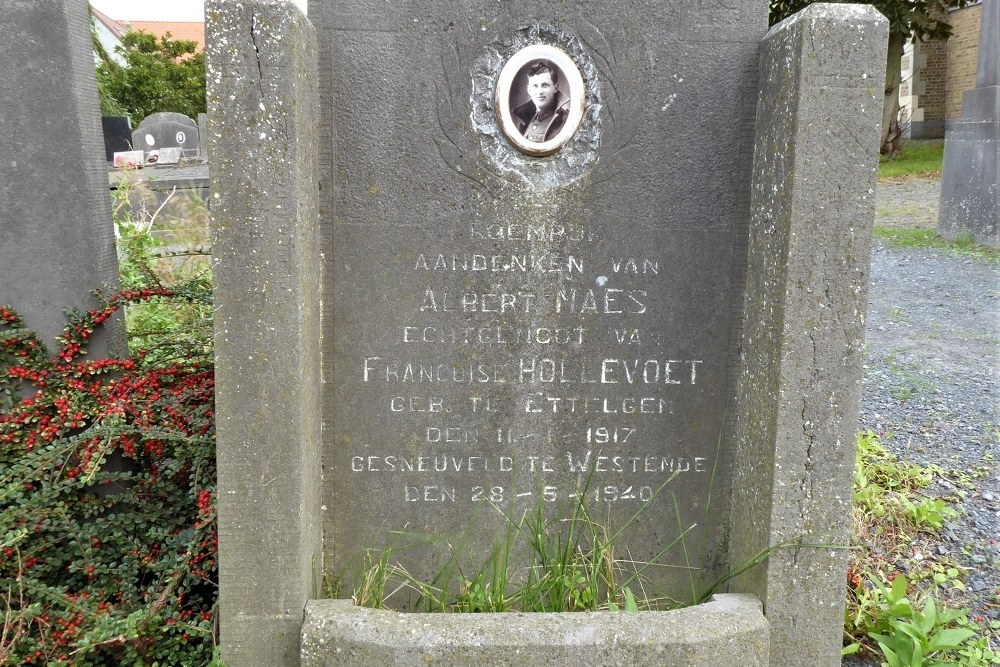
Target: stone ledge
[{"x": 728, "y": 631}]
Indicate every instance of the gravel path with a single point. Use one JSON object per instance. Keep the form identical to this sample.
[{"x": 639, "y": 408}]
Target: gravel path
[{"x": 932, "y": 375}]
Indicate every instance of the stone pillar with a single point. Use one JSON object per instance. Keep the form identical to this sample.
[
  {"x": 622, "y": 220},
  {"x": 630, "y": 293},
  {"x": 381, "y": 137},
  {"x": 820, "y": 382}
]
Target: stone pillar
[
  {"x": 262, "y": 100},
  {"x": 970, "y": 179},
  {"x": 796, "y": 408},
  {"x": 203, "y": 136},
  {"x": 57, "y": 242}
]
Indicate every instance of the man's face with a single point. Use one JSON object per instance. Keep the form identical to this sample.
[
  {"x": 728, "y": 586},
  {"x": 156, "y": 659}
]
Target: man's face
[{"x": 541, "y": 89}]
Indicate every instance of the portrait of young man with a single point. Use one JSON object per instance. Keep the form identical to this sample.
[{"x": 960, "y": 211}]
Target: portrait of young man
[{"x": 544, "y": 114}]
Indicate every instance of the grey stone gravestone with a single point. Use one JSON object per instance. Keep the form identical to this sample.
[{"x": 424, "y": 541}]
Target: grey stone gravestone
[
  {"x": 56, "y": 236},
  {"x": 166, "y": 130},
  {"x": 970, "y": 179},
  {"x": 505, "y": 329},
  {"x": 515, "y": 331},
  {"x": 117, "y": 135}
]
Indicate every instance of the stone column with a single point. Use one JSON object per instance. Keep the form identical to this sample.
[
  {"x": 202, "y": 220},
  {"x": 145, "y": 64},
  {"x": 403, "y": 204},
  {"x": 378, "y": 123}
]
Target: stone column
[
  {"x": 57, "y": 241},
  {"x": 796, "y": 409},
  {"x": 970, "y": 179},
  {"x": 263, "y": 105}
]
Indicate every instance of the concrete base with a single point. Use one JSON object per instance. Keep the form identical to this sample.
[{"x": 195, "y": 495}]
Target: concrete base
[
  {"x": 927, "y": 129},
  {"x": 728, "y": 631}
]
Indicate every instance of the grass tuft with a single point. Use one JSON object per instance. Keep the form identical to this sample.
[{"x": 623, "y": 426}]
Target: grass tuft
[
  {"x": 916, "y": 159},
  {"x": 928, "y": 238},
  {"x": 572, "y": 564}
]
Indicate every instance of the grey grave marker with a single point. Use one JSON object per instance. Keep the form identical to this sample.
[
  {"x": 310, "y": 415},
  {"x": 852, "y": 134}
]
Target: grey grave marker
[
  {"x": 511, "y": 331},
  {"x": 970, "y": 178},
  {"x": 117, "y": 136},
  {"x": 166, "y": 130},
  {"x": 521, "y": 306},
  {"x": 56, "y": 236}
]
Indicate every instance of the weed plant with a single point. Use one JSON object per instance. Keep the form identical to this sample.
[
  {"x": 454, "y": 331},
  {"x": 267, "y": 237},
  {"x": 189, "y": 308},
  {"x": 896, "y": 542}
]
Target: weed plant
[
  {"x": 164, "y": 329},
  {"x": 890, "y": 491},
  {"x": 573, "y": 563},
  {"x": 893, "y": 611}
]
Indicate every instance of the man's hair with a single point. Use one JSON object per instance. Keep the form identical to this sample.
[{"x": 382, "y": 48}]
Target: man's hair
[{"x": 543, "y": 66}]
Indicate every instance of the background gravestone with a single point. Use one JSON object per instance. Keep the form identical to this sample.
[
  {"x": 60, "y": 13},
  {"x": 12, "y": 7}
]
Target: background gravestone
[
  {"x": 117, "y": 135},
  {"x": 166, "y": 130},
  {"x": 970, "y": 178},
  {"x": 505, "y": 331},
  {"x": 56, "y": 235}
]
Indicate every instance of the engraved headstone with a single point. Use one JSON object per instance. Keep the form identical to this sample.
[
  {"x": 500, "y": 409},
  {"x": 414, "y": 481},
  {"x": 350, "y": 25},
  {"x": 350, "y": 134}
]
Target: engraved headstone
[
  {"x": 533, "y": 296},
  {"x": 528, "y": 237},
  {"x": 166, "y": 130},
  {"x": 56, "y": 235}
]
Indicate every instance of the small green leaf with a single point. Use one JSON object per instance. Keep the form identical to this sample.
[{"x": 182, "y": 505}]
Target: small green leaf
[
  {"x": 930, "y": 616},
  {"x": 898, "y": 587},
  {"x": 630, "y": 604},
  {"x": 949, "y": 639}
]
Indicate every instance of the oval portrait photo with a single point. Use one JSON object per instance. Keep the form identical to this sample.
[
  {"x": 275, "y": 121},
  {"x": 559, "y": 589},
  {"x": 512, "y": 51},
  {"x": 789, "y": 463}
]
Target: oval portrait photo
[{"x": 539, "y": 99}]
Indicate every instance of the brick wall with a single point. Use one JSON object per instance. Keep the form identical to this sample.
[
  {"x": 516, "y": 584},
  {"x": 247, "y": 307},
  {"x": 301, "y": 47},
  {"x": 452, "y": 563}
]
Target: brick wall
[
  {"x": 930, "y": 77},
  {"x": 963, "y": 52},
  {"x": 942, "y": 71}
]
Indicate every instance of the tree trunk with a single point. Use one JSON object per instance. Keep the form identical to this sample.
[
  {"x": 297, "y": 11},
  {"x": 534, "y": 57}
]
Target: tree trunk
[{"x": 891, "y": 132}]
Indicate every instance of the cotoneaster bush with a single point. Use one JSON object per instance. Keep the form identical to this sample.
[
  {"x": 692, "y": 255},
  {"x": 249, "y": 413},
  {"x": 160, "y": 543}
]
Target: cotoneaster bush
[{"x": 107, "y": 514}]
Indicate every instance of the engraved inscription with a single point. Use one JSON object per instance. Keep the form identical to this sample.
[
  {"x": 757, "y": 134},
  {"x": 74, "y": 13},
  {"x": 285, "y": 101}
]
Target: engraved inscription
[{"x": 528, "y": 354}]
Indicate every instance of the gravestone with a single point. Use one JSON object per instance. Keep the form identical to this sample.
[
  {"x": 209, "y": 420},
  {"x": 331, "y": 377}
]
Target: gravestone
[
  {"x": 512, "y": 331},
  {"x": 166, "y": 130},
  {"x": 56, "y": 235},
  {"x": 970, "y": 178},
  {"x": 117, "y": 136},
  {"x": 530, "y": 235}
]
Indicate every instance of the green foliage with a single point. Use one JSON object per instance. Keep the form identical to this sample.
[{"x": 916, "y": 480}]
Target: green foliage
[
  {"x": 166, "y": 328},
  {"x": 921, "y": 159},
  {"x": 158, "y": 75},
  {"x": 891, "y": 505},
  {"x": 906, "y": 635},
  {"x": 107, "y": 477},
  {"x": 909, "y": 19},
  {"x": 887, "y": 489}
]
